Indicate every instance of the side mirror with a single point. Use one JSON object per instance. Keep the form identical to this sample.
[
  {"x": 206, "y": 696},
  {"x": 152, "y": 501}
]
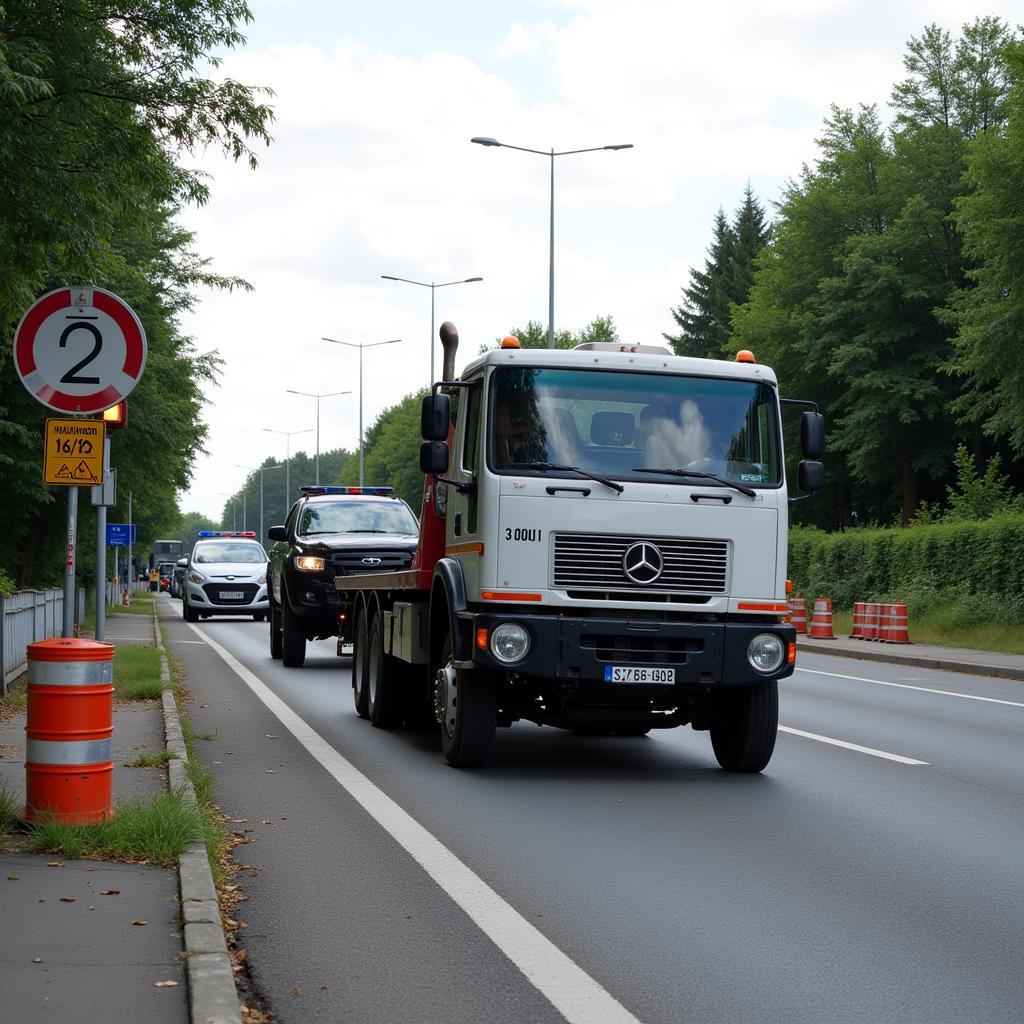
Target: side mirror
[
  {"x": 810, "y": 474},
  {"x": 434, "y": 457},
  {"x": 277, "y": 533},
  {"x": 812, "y": 436},
  {"x": 435, "y": 416}
]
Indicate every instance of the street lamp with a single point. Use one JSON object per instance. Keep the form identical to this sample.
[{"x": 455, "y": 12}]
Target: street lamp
[
  {"x": 260, "y": 470},
  {"x": 330, "y": 394},
  {"x": 431, "y": 285},
  {"x": 361, "y": 345},
  {"x": 481, "y": 140},
  {"x": 288, "y": 458}
]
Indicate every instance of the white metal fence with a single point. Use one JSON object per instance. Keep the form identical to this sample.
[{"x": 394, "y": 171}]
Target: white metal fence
[{"x": 25, "y": 617}]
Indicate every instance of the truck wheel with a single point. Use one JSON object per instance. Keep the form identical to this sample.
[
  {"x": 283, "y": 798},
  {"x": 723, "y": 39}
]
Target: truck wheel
[
  {"x": 293, "y": 637},
  {"x": 466, "y": 707},
  {"x": 359, "y": 667},
  {"x": 188, "y": 612},
  {"x": 275, "y": 631},
  {"x": 743, "y": 733},
  {"x": 384, "y": 677}
]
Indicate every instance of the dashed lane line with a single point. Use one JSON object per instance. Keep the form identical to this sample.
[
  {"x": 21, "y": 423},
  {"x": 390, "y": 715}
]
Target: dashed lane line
[
  {"x": 574, "y": 994},
  {"x": 884, "y": 754},
  {"x": 921, "y": 689}
]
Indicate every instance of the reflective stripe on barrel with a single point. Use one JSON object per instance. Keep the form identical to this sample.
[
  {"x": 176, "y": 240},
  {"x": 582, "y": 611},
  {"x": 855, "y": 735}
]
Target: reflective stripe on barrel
[{"x": 821, "y": 619}]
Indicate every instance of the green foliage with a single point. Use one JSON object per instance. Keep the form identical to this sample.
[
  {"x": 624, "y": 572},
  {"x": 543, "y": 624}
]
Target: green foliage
[
  {"x": 703, "y": 316},
  {"x": 535, "y": 334},
  {"x": 10, "y": 807},
  {"x": 973, "y": 497},
  {"x": 971, "y": 564}
]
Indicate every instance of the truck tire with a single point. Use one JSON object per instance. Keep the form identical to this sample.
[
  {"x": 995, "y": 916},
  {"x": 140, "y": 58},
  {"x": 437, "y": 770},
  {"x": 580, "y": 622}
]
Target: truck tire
[
  {"x": 743, "y": 733},
  {"x": 359, "y": 652},
  {"x": 385, "y": 677},
  {"x": 188, "y": 613},
  {"x": 275, "y": 631},
  {"x": 293, "y": 637},
  {"x": 466, "y": 704}
]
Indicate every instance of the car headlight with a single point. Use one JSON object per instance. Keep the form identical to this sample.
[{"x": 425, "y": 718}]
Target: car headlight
[
  {"x": 510, "y": 642},
  {"x": 196, "y": 577},
  {"x": 310, "y": 563},
  {"x": 262, "y": 578},
  {"x": 766, "y": 652}
]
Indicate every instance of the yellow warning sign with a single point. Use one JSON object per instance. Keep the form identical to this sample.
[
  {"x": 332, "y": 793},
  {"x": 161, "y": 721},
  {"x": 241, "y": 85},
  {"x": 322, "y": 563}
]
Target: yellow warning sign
[{"x": 74, "y": 452}]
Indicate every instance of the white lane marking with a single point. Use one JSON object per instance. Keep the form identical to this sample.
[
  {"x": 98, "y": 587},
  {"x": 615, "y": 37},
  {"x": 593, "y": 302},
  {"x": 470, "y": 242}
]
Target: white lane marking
[
  {"x": 202, "y": 643},
  {"x": 577, "y": 996},
  {"x": 922, "y": 689},
  {"x": 898, "y": 758}
]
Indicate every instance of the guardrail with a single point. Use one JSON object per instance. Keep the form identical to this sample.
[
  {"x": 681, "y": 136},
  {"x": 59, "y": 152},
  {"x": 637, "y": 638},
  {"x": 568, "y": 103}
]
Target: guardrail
[{"x": 25, "y": 617}]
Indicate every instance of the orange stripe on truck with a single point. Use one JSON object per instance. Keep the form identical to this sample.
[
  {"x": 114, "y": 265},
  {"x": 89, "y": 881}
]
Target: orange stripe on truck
[{"x": 762, "y": 606}]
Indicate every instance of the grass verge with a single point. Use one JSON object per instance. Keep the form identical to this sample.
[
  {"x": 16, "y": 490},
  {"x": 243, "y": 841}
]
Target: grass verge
[
  {"x": 153, "y": 831},
  {"x": 137, "y": 672},
  {"x": 142, "y": 604},
  {"x": 154, "y": 760},
  {"x": 10, "y": 808}
]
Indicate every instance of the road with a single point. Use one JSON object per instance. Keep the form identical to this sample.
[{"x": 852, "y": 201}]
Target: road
[{"x": 622, "y": 879}]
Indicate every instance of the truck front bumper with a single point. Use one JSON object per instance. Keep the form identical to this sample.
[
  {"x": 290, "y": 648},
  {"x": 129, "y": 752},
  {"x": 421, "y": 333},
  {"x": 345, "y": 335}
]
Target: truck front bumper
[{"x": 572, "y": 649}]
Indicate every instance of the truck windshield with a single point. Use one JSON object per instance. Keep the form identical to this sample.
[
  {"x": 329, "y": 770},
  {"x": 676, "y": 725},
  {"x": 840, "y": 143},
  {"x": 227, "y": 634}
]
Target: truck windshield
[{"x": 613, "y": 423}]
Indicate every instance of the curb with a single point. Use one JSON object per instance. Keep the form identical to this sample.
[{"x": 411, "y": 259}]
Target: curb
[
  {"x": 915, "y": 660},
  {"x": 212, "y": 996}
]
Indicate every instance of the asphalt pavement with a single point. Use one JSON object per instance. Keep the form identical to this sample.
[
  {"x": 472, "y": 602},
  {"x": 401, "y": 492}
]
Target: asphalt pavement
[{"x": 83, "y": 940}]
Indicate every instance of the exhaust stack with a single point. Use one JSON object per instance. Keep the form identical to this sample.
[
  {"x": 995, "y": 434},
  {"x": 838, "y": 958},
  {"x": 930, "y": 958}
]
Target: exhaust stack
[{"x": 449, "y": 343}]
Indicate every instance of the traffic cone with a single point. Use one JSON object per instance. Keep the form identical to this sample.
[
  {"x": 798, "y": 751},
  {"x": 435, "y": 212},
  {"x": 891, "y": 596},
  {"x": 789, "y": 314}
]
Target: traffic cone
[
  {"x": 821, "y": 620},
  {"x": 798, "y": 612},
  {"x": 124, "y": 598}
]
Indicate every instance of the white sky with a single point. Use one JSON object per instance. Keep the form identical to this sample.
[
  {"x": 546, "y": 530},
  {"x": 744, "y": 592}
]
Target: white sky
[{"x": 372, "y": 172}]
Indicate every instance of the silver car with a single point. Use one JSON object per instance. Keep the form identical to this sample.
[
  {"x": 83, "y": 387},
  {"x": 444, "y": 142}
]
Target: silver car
[{"x": 226, "y": 574}]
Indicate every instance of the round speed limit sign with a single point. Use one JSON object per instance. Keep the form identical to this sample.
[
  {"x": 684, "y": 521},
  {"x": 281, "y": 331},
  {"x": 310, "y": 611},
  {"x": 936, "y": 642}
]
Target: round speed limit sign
[{"x": 80, "y": 350}]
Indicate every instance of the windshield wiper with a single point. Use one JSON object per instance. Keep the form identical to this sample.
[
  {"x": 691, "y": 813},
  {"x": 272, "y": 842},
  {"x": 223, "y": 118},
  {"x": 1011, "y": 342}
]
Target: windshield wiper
[
  {"x": 742, "y": 488},
  {"x": 567, "y": 469}
]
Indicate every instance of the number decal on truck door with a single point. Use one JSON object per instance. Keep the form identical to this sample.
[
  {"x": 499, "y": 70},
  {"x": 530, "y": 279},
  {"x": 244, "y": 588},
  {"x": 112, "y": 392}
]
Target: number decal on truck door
[{"x": 521, "y": 533}]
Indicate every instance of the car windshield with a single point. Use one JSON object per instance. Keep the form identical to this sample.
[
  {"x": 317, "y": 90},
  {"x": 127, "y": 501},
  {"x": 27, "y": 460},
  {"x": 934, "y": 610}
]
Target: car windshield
[
  {"x": 357, "y": 516},
  {"x": 247, "y": 553},
  {"x": 614, "y": 424}
]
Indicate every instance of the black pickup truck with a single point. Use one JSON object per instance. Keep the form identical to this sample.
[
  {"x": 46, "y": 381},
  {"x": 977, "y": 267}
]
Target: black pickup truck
[{"x": 330, "y": 531}]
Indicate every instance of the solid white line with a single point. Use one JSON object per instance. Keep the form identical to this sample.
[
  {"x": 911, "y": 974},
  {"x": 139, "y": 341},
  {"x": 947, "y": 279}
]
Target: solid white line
[
  {"x": 898, "y": 758},
  {"x": 577, "y": 996},
  {"x": 922, "y": 689}
]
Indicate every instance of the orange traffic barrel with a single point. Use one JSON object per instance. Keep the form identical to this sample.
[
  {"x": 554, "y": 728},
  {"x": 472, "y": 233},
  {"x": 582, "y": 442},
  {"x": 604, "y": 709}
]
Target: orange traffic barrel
[
  {"x": 893, "y": 628},
  {"x": 859, "y": 630},
  {"x": 798, "y": 613},
  {"x": 69, "y": 730},
  {"x": 872, "y": 620},
  {"x": 821, "y": 619}
]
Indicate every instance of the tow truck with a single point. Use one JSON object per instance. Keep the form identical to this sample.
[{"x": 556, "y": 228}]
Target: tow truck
[{"x": 603, "y": 543}]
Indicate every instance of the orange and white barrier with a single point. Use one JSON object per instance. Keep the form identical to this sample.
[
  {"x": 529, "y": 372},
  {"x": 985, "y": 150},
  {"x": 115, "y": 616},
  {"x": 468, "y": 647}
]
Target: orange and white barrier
[
  {"x": 893, "y": 626},
  {"x": 821, "y": 619},
  {"x": 798, "y": 613},
  {"x": 69, "y": 730},
  {"x": 859, "y": 628}
]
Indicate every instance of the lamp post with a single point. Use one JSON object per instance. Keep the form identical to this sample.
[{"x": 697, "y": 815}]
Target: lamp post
[
  {"x": 288, "y": 458},
  {"x": 329, "y": 394},
  {"x": 481, "y": 140},
  {"x": 432, "y": 286},
  {"x": 260, "y": 470},
  {"x": 361, "y": 345}
]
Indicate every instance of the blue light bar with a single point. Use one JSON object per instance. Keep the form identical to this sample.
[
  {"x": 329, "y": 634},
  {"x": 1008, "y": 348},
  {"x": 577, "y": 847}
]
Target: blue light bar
[
  {"x": 227, "y": 533},
  {"x": 314, "y": 489}
]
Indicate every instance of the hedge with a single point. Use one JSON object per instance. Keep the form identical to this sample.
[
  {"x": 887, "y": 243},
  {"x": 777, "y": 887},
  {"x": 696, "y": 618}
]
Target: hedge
[{"x": 917, "y": 564}]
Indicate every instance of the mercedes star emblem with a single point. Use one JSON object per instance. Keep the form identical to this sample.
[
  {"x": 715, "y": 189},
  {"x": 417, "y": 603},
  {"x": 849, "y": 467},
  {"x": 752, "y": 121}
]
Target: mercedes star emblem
[{"x": 643, "y": 563}]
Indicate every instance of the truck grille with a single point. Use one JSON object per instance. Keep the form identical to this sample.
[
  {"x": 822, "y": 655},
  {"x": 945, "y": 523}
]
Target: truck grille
[
  {"x": 591, "y": 565},
  {"x": 354, "y": 563}
]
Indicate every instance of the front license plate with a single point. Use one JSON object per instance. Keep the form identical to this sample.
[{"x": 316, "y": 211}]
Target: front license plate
[
  {"x": 638, "y": 674},
  {"x": 231, "y": 595}
]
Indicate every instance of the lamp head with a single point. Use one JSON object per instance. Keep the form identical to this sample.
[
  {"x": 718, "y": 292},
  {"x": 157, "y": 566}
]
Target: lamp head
[{"x": 484, "y": 140}]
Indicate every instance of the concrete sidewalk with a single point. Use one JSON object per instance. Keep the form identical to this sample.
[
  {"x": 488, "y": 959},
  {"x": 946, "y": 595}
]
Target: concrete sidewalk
[
  {"x": 947, "y": 659},
  {"x": 86, "y": 940}
]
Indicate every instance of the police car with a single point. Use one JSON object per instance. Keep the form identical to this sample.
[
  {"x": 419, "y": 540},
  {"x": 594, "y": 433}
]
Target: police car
[
  {"x": 331, "y": 531},
  {"x": 226, "y": 574}
]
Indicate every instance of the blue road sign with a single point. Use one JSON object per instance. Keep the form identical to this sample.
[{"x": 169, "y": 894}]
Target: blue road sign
[{"x": 120, "y": 535}]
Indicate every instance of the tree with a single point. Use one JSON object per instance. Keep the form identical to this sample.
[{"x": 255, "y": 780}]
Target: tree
[
  {"x": 535, "y": 334},
  {"x": 990, "y": 315}
]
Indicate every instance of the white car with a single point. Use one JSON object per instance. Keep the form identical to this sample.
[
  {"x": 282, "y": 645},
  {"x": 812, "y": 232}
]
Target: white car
[{"x": 226, "y": 574}]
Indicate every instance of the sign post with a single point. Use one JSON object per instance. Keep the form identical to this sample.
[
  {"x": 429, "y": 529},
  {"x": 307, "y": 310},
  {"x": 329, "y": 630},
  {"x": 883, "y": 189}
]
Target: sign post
[{"x": 78, "y": 351}]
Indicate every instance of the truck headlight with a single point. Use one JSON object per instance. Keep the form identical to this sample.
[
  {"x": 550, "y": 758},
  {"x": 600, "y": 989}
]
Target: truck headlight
[
  {"x": 310, "y": 563},
  {"x": 766, "y": 652},
  {"x": 509, "y": 642}
]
